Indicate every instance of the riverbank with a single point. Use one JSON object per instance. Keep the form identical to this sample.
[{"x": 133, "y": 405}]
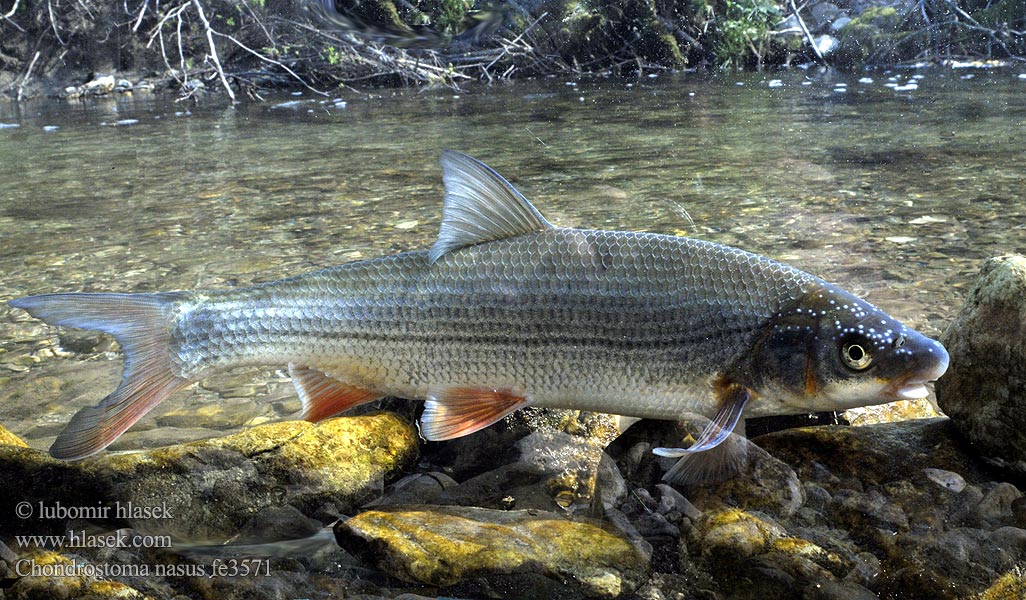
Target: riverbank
[{"x": 242, "y": 48}]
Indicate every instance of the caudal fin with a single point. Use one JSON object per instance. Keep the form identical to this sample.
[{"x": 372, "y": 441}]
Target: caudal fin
[{"x": 141, "y": 325}]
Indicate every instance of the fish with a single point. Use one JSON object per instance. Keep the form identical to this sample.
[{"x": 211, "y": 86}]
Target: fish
[{"x": 506, "y": 310}]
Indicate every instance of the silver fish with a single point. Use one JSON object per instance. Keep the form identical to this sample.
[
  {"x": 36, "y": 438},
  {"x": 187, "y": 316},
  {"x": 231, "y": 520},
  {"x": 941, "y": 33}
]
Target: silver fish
[{"x": 506, "y": 311}]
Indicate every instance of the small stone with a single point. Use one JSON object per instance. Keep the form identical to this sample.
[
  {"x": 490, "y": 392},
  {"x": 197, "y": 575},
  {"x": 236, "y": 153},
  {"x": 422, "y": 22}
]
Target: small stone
[
  {"x": 996, "y": 504},
  {"x": 816, "y": 497},
  {"x": 826, "y": 44},
  {"x": 767, "y": 484},
  {"x": 839, "y": 24},
  {"x": 927, "y": 219},
  {"x": 416, "y": 488},
  {"x": 946, "y": 479},
  {"x": 100, "y": 85},
  {"x": 673, "y": 502},
  {"x": 1011, "y": 539},
  {"x": 275, "y": 523},
  {"x": 654, "y": 525},
  {"x": 858, "y": 510},
  {"x": 732, "y": 533},
  {"x": 216, "y": 415}
]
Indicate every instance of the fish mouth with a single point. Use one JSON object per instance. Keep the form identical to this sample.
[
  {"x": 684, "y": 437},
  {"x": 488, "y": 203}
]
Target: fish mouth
[
  {"x": 907, "y": 390},
  {"x": 913, "y": 385}
]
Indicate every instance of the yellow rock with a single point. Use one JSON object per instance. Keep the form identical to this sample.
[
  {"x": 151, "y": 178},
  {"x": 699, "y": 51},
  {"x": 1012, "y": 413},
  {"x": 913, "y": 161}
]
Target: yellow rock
[
  {"x": 1010, "y": 586},
  {"x": 8, "y": 438},
  {"x": 444, "y": 546},
  {"x": 737, "y": 532},
  {"x": 210, "y": 489}
]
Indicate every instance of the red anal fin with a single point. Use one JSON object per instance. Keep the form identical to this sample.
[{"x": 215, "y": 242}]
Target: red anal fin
[
  {"x": 323, "y": 396},
  {"x": 454, "y": 412}
]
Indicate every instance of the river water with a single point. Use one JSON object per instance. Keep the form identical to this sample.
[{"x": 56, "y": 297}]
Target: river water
[{"x": 894, "y": 193}]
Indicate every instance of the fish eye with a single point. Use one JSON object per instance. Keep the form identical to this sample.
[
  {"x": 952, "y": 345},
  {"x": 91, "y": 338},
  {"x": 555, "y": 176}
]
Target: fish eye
[{"x": 856, "y": 356}]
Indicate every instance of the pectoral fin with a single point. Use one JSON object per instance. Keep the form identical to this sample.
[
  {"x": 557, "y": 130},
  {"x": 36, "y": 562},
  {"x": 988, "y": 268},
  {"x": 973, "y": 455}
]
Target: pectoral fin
[
  {"x": 323, "y": 396},
  {"x": 721, "y": 449},
  {"x": 455, "y": 412}
]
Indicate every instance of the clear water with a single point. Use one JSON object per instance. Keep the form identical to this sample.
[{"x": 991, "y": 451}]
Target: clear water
[{"x": 896, "y": 195}]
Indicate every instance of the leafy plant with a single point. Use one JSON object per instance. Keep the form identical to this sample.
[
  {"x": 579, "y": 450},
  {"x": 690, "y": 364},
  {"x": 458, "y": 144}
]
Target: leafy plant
[{"x": 743, "y": 32}]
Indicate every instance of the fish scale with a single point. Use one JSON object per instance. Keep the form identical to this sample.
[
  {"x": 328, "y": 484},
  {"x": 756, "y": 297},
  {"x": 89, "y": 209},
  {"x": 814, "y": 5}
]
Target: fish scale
[
  {"x": 527, "y": 311},
  {"x": 506, "y": 310}
]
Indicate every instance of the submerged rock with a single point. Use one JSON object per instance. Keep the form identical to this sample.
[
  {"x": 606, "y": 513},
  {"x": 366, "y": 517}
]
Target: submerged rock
[
  {"x": 479, "y": 551},
  {"x": 984, "y": 390},
  {"x": 213, "y": 489},
  {"x": 547, "y": 459},
  {"x": 215, "y": 486},
  {"x": 9, "y": 439},
  {"x": 889, "y": 510}
]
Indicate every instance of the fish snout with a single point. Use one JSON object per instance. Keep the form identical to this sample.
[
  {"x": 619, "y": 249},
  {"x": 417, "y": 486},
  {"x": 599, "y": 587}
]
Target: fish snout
[{"x": 929, "y": 361}]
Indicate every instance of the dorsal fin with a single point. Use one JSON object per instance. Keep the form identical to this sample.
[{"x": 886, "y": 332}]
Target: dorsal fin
[{"x": 480, "y": 206}]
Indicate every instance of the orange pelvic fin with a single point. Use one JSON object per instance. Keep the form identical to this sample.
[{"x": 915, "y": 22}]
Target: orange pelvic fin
[
  {"x": 323, "y": 396},
  {"x": 141, "y": 325},
  {"x": 454, "y": 412},
  {"x": 721, "y": 449}
]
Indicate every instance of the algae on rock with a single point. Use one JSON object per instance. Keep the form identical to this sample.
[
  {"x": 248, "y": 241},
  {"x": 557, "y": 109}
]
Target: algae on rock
[{"x": 525, "y": 552}]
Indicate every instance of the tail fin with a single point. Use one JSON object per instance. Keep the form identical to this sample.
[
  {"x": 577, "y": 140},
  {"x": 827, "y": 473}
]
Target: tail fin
[{"x": 141, "y": 323}]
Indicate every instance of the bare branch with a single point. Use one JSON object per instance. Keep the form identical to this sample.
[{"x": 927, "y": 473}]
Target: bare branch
[
  {"x": 807, "y": 33},
  {"x": 28, "y": 73},
  {"x": 142, "y": 12},
  {"x": 53, "y": 22},
  {"x": 11, "y": 12},
  {"x": 213, "y": 49},
  {"x": 271, "y": 61}
]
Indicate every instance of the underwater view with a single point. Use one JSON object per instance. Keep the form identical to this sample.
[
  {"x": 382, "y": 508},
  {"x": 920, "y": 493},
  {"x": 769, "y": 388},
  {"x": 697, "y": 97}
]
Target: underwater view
[{"x": 896, "y": 186}]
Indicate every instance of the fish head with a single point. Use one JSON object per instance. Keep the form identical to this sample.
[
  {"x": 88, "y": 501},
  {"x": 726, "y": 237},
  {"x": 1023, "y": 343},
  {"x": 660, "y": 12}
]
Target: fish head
[{"x": 831, "y": 350}]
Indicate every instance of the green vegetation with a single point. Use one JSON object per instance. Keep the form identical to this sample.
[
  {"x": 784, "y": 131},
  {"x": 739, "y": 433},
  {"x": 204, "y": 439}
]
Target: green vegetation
[{"x": 743, "y": 33}]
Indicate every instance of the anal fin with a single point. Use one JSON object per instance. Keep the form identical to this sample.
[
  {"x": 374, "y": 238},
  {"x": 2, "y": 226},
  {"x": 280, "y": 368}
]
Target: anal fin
[
  {"x": 458, "y": 411},
  {"x": 721, "y": 449},
  {"x": 323, "y": 396}
]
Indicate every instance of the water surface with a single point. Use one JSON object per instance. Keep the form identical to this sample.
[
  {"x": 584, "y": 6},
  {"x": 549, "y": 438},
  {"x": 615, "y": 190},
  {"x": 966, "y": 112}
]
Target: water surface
[{"x": 896, "y": 195}]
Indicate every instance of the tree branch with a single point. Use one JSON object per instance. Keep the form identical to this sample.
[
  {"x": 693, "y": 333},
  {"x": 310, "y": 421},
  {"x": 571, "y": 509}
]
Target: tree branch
[{"x": 213, "y": 49}]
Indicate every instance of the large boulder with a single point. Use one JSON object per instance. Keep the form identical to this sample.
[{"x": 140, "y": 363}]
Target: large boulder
[{"x": 984, "y": 390}]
